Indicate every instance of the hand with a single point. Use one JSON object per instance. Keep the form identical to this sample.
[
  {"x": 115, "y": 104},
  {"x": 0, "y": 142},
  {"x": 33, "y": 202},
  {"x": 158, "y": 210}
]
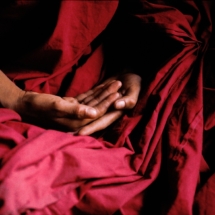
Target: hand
[
  {"x": 131, "y": 86},
  {"x": 66, "y": 111}
]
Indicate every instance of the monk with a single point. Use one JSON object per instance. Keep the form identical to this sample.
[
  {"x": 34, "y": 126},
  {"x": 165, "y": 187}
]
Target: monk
[
  {"x": 107, "y": 107},
  {"x": 86, "y": 114}
]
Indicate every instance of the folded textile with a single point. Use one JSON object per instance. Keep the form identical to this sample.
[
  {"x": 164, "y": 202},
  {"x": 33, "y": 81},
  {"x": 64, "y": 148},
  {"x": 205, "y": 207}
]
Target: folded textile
[{"x": 155, "y": 159}]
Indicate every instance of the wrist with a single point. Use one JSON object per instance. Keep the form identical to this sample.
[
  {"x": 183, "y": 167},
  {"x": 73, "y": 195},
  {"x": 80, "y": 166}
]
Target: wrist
[
  {"x": 15, "y": 100},
  {"x": 10, "y": 94},
  {"x": 23, "y": 102}
]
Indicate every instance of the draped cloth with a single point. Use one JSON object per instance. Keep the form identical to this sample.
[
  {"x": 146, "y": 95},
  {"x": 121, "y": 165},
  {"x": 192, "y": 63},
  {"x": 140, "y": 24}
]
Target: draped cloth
[{"x": 158, "y": 158}]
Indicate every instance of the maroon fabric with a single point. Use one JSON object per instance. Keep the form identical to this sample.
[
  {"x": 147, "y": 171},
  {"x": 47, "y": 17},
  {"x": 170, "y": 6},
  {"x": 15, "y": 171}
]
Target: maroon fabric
[{"x": 155, "y": 160}]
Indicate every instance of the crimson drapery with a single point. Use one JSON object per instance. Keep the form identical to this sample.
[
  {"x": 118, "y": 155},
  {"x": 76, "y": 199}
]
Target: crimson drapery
[{"x": 155, "y": 159}]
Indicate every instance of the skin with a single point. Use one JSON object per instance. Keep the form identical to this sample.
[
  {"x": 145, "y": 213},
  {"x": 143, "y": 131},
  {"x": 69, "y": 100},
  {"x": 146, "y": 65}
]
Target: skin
[
  {"x": 129, "y": 92},
  {"x": 85, "y": 114}
]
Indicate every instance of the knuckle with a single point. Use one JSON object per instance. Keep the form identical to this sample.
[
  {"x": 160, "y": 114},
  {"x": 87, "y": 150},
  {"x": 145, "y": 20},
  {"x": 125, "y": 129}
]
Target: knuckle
[
  {"x": 79, "y": 112},
  {"x": 105, "y": 105},
  {"x": 81, "y": 96},
  {"x": 113, "y": 97},
  {"x": 113, "y": 87},
  {"x": 87, "y": 99},
  {"x": 70, "y": 99},
  {"x": 131, "y": 103},
  {"x": 108, "y": 90},
  {"x": 96, "y": 99},
  {"x": 98, "y": 111},
  {"x": 102, "y": 108},
  {"x": 56, "y": 105}
]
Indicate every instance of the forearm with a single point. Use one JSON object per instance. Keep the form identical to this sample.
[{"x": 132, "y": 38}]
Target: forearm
[{"x": 10, "y": 94}]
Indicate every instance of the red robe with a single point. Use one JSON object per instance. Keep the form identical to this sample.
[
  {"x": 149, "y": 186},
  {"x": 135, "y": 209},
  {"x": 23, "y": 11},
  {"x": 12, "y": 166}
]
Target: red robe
[{"x": 154, "y": 160}]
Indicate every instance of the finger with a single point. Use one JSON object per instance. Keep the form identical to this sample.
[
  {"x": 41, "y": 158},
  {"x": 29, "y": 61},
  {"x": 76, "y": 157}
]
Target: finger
[
  {"x": 82, "y": 96},
  {"x": 99, "y": 91},
  {"x": 129, "y": 100},
  {"x": 71, "y": 124},
  {"x": 102, "y": 93},
  {"x": 84, "y": 111},
  {"x": 100, "y": 123},
  {"x": 109, "y": 80},
  {"x": 105, "y": 104},
  {"x": 95, "y": 91},
  {"x": 69, "y": 107}
]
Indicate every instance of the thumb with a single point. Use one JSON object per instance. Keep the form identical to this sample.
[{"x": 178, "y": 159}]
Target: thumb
[
  {"x": 72, "y": 108},
  {"x": 129, "y": 100},
  {"x": 84, "y": 111}
]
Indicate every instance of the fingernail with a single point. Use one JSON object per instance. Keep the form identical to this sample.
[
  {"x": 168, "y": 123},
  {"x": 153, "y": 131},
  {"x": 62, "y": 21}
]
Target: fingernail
[
  {"x": 120, "y": 104},
  {"x": 91, "y": 111}
]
